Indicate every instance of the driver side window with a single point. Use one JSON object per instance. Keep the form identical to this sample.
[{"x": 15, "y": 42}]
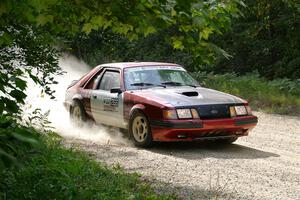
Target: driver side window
[{"x": 110, "y": 79}]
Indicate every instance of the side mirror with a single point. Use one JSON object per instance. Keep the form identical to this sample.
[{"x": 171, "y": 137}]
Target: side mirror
[{"x": 116, "y": 90}]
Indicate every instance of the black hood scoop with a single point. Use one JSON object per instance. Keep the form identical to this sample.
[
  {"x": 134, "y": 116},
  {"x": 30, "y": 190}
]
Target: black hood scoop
[{"x": 190, "y": 94}]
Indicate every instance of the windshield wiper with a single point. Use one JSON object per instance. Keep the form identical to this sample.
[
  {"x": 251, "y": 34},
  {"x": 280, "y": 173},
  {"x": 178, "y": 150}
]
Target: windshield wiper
[
  {"x": 172, "y": 83},
  {"x": 146, "y": 84},
  {"x": 194, "y": 86}
]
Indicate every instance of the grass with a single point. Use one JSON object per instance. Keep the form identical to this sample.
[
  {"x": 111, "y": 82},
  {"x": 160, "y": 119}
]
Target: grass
[
  {"x": 280, "y": 96},
  {"x": 54, "y": 172}
]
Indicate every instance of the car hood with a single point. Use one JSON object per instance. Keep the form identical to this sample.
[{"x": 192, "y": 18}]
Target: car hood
[{"x": 188, "y": 96}]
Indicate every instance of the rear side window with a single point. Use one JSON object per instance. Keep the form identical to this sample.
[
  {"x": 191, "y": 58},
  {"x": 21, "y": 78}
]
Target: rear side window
[
  {"x": 110, "y": 79},
  {"x": 90, "y": 84}
]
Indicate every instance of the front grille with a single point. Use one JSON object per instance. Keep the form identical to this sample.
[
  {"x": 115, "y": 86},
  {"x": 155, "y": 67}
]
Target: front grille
[{"x": 218, "y": 111}]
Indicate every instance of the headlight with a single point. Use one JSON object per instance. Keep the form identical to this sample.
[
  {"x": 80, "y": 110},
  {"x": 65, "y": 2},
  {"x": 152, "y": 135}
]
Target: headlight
[
  {"x": 181, "y": 114},
  {"x": 184, "y": 113},
  {"x": 238, "y": 110}
]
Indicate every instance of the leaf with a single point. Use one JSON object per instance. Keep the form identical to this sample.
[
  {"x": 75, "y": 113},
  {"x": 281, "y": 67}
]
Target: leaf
[
  {"x": 24, "y": 135},
  {"x": 173, "y": 12},
  {"x": 87, "y": 27},
  {"x": 149, "y": 30},
  {"x": 205, "y": 33},
  {"x": 98, "y": 21},
  {"x": 6, "y": 158},
  {"x": 5, "y": 122},
  {"x": 10, "y": 106},
  {"x": 18, "y": 95},
  {"x": 21, "y": 83},
  {"x": 35, "y": 79},
  {"x": 177, "y": 44}
]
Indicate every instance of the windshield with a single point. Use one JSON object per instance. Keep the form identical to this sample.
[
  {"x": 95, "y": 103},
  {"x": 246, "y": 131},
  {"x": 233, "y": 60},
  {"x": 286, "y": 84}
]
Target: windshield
[{"x": 157, "y": 76}]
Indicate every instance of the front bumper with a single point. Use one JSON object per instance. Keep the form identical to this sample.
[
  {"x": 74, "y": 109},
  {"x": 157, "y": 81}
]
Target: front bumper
[{"x": 197, "y": 129}]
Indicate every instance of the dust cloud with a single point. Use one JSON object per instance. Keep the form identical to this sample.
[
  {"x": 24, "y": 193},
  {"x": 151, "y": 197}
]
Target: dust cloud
[{"x": 58, "y": 115}]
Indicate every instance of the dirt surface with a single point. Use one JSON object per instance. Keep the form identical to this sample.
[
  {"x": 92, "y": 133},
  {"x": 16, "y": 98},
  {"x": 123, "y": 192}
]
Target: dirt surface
[{"x": 264, "y": 165}]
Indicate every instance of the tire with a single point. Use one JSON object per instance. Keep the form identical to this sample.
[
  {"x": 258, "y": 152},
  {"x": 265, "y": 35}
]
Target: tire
[
  {"x": 227, "y": 140},
  {"x": 77, "y": 114},
  {"x": 139, "y": 130}
]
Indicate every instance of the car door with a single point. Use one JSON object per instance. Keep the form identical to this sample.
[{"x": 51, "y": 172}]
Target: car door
[
  {"x": 87, "y": 89},
  {"x": 107, "y": 107}
]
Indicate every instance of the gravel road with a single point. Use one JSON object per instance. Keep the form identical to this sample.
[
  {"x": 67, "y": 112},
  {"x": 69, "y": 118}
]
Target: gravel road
[{"x": 264, "y": 165}]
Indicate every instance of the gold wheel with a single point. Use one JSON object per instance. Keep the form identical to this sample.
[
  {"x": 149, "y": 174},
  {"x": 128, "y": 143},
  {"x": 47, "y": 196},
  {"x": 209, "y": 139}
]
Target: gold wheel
[{"x": 140, "y": 128}]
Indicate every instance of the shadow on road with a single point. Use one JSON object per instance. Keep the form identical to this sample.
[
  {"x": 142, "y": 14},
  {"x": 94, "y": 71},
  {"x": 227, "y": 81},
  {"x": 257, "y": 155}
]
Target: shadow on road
[{"x": 200, "y": 150}]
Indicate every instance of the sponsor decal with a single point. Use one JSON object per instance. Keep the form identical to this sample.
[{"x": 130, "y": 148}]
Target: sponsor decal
[{"x": 110, "y": 104}]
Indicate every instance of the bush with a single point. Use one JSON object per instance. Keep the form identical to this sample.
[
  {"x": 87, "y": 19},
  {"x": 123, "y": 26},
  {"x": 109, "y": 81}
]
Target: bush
[{"x": 54, "y": 172}]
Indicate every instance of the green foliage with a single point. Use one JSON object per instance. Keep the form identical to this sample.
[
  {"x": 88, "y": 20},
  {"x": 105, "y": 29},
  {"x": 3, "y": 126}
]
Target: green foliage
[
  {"x": 28, "y": 56},
  {"x": 15, "y": 140},
  {"x": 59, "y": 173},
  {"x": 105, "y": 47},
  {"x": 21, "y": 134},
  {"x": 265, "y": 39},
  {"x": 278, "y": 96},
  {"x": 184, "y": 25},
  {"x": 195, "y": 21}
]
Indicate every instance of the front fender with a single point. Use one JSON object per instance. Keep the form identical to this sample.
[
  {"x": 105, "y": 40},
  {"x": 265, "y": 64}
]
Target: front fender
[
  {"x": 137, "y": 107},
  {"x": 77, "y": 96}
]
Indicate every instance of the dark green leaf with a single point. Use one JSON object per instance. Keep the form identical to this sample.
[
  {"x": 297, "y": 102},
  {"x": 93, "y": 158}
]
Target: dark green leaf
[
  {"x": 24, "y": 135},
  {"x": 20, "y": 83},
  {"x": 10, "y": 106},
  {"x": 18, "y": 95}
]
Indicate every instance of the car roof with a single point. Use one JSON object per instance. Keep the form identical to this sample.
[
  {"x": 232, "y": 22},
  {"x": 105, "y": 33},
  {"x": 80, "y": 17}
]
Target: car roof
[{"x": 122, "y": 65}]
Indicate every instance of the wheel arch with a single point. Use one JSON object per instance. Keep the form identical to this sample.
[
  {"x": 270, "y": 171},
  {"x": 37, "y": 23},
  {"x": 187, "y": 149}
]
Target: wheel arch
[
  {"x": 137, "y": 108},
  {"x": 76, "y": 98}
]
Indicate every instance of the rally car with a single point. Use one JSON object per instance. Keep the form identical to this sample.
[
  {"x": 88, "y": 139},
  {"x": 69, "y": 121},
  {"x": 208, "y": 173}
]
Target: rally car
[{"x": 157, "y": 102}]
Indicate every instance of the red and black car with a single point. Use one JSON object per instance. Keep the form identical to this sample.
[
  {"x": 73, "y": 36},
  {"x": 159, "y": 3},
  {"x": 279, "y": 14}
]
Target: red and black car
[{"x": 157, "y": 102}]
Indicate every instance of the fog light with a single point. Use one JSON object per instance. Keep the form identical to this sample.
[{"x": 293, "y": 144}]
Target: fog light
[
  {"x": 195, "y": 114},
  {"x": 170, "y": 114}
]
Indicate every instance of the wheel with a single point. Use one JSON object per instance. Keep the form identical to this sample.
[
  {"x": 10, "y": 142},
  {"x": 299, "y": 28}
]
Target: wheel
[
  {"x": 139, "y": 130},
  {"x": 227, "y": 140},
  {"x": 77, "y": 114}
]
